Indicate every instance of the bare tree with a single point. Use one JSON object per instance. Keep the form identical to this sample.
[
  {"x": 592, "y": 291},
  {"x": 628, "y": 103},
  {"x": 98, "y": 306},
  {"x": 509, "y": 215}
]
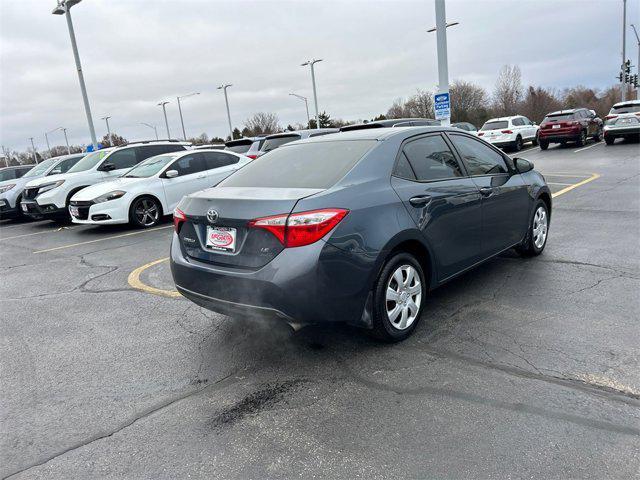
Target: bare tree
[
  {"x": 419, "y": 105},
  {"x": 508, "y": 90},
  {"x": 469, "y": 103},
  {"x": 261, "y": 123},
  {"x": 538, "y": 102}
]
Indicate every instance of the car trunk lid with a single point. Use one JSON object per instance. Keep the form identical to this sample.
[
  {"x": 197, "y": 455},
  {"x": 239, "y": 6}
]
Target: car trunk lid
[{"x": 216, "y": 228}]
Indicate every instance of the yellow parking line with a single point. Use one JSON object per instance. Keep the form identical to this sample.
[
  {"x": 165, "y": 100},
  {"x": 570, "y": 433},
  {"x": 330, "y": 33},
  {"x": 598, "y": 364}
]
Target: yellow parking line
[
  {"x": 575, "y": 185},
  {"x": 37, "y": 233},
  {"x": 102, "y": 239},
  {"x": 135, "y": 282}
]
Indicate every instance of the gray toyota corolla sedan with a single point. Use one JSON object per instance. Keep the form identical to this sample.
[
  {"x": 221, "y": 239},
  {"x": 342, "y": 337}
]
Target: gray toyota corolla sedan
[{"x": 356, "y": 227}]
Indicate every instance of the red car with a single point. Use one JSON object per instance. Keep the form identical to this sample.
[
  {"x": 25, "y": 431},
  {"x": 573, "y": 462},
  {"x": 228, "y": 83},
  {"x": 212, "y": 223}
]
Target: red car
[{"x": 575, "y": 125}]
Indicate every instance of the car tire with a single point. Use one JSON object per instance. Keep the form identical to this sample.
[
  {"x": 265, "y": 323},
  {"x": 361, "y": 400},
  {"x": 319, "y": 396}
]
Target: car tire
[
  {"x": 517, "y": 145},
  {"x": 544, "y": 145},
  {"x": 400, "y": 285},
  {"x": 582, "y": 139},
  {"x": 598, "y": 136},
  {"x": 145, "y": 212},
  {"x": 534, "y": 141},
  {"x": 609, "y": 140},
  {"x": 537, "y": 232}
]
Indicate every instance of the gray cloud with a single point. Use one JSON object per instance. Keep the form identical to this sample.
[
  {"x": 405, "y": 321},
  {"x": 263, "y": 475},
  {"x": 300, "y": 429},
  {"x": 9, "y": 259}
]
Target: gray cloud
[{"x": 136, "y": 53}]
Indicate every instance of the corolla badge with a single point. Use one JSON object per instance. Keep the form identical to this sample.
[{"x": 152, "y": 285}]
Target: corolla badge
[{"x": 212, "y": 215}]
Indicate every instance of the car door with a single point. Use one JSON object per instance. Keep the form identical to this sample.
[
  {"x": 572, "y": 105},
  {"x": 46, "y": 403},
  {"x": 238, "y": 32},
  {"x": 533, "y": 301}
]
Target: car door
[
  {"x": 529, "y": 129},
  {"x": 519, "y": 127},
  {"x": 505, "y": 197},
  {"x": 192, "y": 176},
  {"x": 220, "y": 165},
  {"x": 118, "y": 163},
  {"x": 442, "y": 200}
]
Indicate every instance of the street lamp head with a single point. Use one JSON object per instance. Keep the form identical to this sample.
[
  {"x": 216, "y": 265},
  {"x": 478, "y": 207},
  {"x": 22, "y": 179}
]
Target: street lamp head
[
  {"x": 224, "y": 87},
  {"x": 447, "y": 26},
  {"x": 63, "y": 6},
  {"x": 162, "y": 104}
]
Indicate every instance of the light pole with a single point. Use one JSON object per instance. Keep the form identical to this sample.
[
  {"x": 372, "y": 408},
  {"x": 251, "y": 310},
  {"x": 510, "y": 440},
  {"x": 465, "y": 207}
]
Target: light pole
[
  {"x": 311, "y": 63},
  {"x": 64, "y": 8},
  {"x": 106, "y": 119},
  {"x": 33, "y": 147},
  {"x": 226, "y": 101},
  {"x": 623, "y": 85},
  {"x": 306, "y": 104},
  {"x": 66, "y": 140},
  {"x": 46, "y": 137},
  {"x": 638, "y": 64},
  {"x": 441, "y": 39},
  {"x": 151, "y": 126},
  {"x": 166, "y": 122},
  {"x": 184, "y": 134}
]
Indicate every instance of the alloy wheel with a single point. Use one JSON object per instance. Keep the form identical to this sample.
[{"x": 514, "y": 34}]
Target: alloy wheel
[
  {"x": 403, "y": 297},
  {"x": 146, "y": 212},
  {"x": 540, "y": 226}
]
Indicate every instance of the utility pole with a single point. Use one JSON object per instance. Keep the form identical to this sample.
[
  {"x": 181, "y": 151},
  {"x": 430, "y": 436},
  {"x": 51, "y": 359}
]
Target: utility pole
[
  {"x": 151, "y": 126},
  {"x": 226, "y": 101},
  {"x": 64, "y": 8},
  {"x": 637, "y": 64},
  {"x": 46, "y": 137},
  {"x": 311, "y": 63},
  {"x": 33, "y": 148},
  {"x": 106, "y": 119},
  {"x": 623, "y": 85},
  {"x": 66, "y": 140},
  {"x": 166, "y": 122}
]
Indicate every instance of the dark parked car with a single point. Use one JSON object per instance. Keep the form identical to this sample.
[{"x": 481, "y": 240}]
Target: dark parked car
[
  {"x": 575, "y": 125},
  {"x": 393, "y": 122},
  {"x": 243, "y": 145},
  {"x": 271, "y": 142},
  {"x": 469, "y": 127},
  {"x": 356, "y": 227}
]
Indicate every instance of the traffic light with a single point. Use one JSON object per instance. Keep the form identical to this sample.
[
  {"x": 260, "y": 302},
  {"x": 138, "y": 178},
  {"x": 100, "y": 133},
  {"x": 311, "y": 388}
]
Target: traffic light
[
  {"x": 627, "y": 66},
  {"x": 626, "y": 78},
  {"x": 620, "y": 77},
  {"x": 634, "y": 80}
]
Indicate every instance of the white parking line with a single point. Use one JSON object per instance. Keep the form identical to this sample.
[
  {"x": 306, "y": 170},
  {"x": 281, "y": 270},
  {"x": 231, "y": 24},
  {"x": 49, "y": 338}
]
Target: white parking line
[
  {"x": 37, "y": 233},
  {"x": 587, "y": 148}
]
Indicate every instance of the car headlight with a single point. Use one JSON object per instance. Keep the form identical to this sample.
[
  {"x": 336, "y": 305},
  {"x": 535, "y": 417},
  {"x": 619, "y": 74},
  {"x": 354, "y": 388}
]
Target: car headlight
[
  {"x": 49, "y": 186},
  {"x": 6, "y": 188},
  {"x": 109, "y": 196}
]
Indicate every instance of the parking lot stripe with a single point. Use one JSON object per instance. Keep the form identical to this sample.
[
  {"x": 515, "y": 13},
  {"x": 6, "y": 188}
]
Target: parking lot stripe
[
  {"x": 102, "y": 239},
  {"x": 135, "y": 282},
  {"x": 575, "y": 185},
  {"x": 37, "y": 233},
  {"x": 587, "y": 148}
]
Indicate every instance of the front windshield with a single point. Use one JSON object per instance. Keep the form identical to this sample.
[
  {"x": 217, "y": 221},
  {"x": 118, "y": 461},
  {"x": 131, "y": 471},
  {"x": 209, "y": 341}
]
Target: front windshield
[
  {"x": 150, "y": 167},
  {"x": 41, "y": 168},
  {"x": 90, "y": 161}
]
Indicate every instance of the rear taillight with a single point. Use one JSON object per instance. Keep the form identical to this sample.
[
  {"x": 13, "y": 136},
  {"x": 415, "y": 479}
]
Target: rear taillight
[
  {"x": 253, "y": 156},
  {"x": 480, "y": 134},
  {"x": 507, "y": 131},
  {"x": 299, "y": 229},
  {"x": 609, "y": 117},
  {"x": 178, "y": 219}
]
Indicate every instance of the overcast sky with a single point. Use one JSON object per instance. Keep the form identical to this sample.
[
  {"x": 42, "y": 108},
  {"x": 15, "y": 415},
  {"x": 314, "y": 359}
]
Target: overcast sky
[{"x": 136, "y": 53}]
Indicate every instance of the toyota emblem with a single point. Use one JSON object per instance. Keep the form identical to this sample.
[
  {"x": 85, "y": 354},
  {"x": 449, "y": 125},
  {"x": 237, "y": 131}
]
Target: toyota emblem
[{"x": 212, "y": 216}]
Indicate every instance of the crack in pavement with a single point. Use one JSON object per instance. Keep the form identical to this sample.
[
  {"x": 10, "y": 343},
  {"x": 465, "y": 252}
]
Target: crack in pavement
[{"x": 222, "y": 382}]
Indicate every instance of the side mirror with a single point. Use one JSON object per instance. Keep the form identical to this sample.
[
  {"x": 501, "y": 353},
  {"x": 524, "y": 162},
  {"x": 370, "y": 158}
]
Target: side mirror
[
  {"x": 107, "y": 167},
  {"x": 171, "y": 173},
  {"x": 522, "y": 165}
]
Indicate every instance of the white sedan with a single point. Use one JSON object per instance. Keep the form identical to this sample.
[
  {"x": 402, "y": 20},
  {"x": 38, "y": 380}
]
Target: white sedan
[{"x": 153, "y": 188}]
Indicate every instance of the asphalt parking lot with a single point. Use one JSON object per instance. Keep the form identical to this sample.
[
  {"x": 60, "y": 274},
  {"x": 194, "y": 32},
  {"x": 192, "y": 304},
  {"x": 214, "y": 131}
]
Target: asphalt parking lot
[{"x": 520, "y": 368}]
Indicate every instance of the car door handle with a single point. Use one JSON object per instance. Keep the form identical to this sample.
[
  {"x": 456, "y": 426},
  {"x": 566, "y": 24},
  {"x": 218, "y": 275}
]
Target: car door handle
[
  {"x": 202, "y": 176},
  {"x": 420, "y": 200},
  {"x": 486, "y": 191}
]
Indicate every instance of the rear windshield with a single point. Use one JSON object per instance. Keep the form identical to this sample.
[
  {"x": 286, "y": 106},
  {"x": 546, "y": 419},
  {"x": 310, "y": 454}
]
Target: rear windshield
[
  {"x": 626, "y": 108},
  {"x": 275, "y": 142},
  {"x": 239, "y": 148},
  {"x": 561, "y": 117},
  {"x": 308, "y": 165},
  {"x": 495, "y": 125}
]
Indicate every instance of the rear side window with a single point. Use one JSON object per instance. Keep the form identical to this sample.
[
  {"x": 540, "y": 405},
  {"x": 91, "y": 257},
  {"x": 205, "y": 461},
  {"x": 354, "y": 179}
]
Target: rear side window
[
  {"x": 275, "y": 142},
  {"x": 123, "y": 158},
  {"x": 189, "y": 164},
  {"x": 518, "y": 122},
  {"x": 217, "y": 160},
  {"x": 479, "y": 158},
  {"x": 309, "y": 165},
  {"x": 65, "y": 165},
  {"x": 430, "y": 158}
]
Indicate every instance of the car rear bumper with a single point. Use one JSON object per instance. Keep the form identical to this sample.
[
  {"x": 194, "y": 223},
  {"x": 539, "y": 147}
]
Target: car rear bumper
[
  {"x": 34, "y": 210},
  {"x": 553, "y": 137},
  {"x": 631, "y": 131},
  {"x": 317, "y": 283}
]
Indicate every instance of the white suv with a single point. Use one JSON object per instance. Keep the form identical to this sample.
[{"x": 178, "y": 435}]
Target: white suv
[
  {"x": 49, "y": 197},
  {"x": 510, "y": 132}
]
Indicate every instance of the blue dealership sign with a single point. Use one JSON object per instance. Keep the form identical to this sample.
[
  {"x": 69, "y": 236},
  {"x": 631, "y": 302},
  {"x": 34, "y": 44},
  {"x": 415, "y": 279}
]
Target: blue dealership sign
[{"x": 442, "y": 105}]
